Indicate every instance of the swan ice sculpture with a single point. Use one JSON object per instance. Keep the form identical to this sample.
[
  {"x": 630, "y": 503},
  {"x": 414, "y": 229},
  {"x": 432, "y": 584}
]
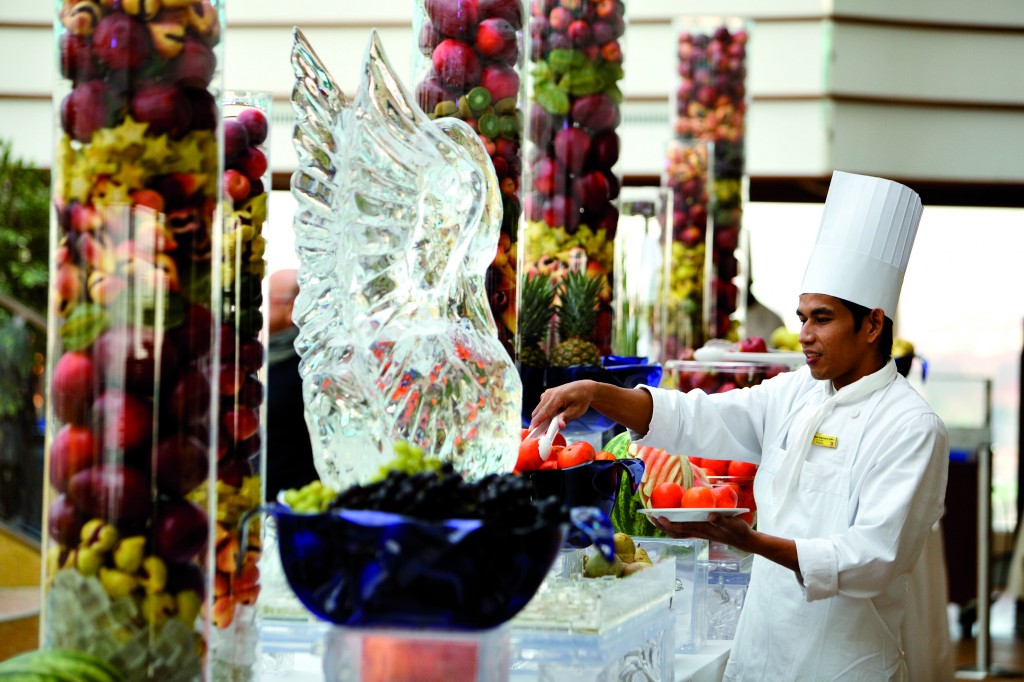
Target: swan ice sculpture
[{"x": 398, "y": 217}]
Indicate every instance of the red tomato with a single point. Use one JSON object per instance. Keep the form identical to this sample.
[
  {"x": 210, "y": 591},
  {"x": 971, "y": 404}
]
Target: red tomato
[
  {"x": 579, "y": 452},
  {"x": 715, "y": 467},
  {"x": 522, "y": 434},
  {"x": 550, "y": 463},
  {"x": 529, "y": 455},
  {"x": 666, "y": 495},
  {"x": 604, "y": 456},
  {"x": 746, "y": 499},
  {"x": 559, "y": 439},
  {"x": 726, "y": 496},
  {"x": 741, "y": 469},
  {"x": 696, "y": 461},
  {"x": 698, "y": 497},
  {"x": 553, "y": 455}
]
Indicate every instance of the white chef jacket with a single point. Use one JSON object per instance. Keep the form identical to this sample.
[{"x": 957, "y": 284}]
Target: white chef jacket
[{"x": 859, "y": 516}]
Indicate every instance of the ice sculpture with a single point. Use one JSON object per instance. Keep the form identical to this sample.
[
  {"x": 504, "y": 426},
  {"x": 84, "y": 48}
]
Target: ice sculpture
[{"x": 397, "y": 220}]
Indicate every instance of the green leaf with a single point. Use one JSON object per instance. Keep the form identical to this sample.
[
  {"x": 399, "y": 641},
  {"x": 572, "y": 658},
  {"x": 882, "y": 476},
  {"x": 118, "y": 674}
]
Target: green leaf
[{"x": 86, "y": 322}]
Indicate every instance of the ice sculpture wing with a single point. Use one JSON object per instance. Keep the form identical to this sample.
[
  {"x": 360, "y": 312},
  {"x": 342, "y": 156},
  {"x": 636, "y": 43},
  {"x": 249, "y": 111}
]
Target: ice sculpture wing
[{"x": 398, "y": 218}]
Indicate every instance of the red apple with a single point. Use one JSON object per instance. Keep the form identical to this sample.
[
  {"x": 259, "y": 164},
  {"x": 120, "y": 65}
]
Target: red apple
[{"x": 753, "y": 344}]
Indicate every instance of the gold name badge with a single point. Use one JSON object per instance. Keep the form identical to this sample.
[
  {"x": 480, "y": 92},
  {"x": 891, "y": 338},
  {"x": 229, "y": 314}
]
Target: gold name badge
[{"x": 825, "y": 441}]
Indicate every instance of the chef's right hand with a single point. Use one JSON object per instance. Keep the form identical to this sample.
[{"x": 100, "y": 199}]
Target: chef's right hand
[{"x": 566, "y": 402}]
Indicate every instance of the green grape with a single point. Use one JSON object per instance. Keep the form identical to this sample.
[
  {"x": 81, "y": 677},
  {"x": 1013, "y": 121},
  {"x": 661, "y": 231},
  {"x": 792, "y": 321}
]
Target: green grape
[{"x": 312, "y": 498}]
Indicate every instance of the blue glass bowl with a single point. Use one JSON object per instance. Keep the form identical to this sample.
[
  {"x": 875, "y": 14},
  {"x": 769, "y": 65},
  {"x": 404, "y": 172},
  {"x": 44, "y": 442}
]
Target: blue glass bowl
[
  {"x": 369, "y": 568},
  {"x": 594, "y": 484},
  {"x": 624, "y": 371}
]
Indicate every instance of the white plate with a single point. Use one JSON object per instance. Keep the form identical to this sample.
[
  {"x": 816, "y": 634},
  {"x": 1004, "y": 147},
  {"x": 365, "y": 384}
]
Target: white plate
[{"x": 692, "y": 514}]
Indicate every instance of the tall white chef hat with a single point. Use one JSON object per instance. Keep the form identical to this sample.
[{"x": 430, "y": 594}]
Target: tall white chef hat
[{"x": 864, "y": 241}]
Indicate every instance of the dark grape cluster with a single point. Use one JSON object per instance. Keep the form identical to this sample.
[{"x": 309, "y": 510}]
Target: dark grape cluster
[{"x": 501, "y": 499}]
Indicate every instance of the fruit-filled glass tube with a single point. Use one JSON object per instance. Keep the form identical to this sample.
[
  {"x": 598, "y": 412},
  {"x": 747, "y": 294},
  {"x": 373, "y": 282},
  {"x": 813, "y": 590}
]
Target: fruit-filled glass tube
[
  {"x": 134, "y": 328},
  {"x": 687, "y": 309},
  {"x": 241, "y": 410},
  {"x": 468, "y": 64},
  {"x": 570, "y": 186},
  {"x": 711, "y": 106}
]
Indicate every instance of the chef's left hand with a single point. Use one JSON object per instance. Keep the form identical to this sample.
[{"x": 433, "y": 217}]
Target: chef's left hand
[{"x": 730, "y": 530}]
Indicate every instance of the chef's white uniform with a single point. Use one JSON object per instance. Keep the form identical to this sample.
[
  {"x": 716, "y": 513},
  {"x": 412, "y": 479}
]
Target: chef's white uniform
[{"x": 859, "y": 515}]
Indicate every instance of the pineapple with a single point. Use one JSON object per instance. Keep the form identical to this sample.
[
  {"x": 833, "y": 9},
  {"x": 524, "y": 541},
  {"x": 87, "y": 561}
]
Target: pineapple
[
  {"x": 538, "y": 296},
  {"x": 577, "y": 313}
]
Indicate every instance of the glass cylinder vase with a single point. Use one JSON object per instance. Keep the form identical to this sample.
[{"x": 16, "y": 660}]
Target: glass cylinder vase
[
  {"x": 643, "y": 259},
  {"x": 132, "y": 425},
  {"x": 570, "y": 183},
  {"x": 468, "y": 64},
  {"x": 688, "y": 175},
  {"x": 710, "y": 106},
  {"x": 241, "y": 411}
]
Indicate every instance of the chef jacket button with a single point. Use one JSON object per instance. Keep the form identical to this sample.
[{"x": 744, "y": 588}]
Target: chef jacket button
[{"x": 854, "y": 414}]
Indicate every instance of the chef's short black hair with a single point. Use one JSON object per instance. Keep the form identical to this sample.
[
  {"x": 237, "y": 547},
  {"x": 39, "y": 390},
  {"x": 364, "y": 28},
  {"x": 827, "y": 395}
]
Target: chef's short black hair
[{"x": 860, "y": 313}]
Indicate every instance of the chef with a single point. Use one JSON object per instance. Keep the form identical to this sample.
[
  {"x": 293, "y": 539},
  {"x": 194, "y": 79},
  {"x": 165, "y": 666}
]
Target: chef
[{"x": 852, "y": 461}]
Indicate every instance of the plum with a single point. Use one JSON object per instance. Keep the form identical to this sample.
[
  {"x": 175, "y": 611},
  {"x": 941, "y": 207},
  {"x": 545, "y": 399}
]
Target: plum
[
  {"x": 509, "y": 10},
  {"x": 604, "y": 150},
  {"x": 501, "y": 81},
  {"x": 496, "y": 39},
  {"x": 72, "y": 387},
  {"x": 164, "y": 107},
  {"x": 180, "y": 530},
  {"x": 74, "y": 448},
  {"x": 453, "y": 18},
  {"x": 255, "y": 123},
  {"x": 127, "y": 356},
  {"x": 195, "y": 66},
  {"x": 64, "y": 522},
  {"x": 121, "y": 42},
  {"x": 204, "y": 109},
  {"x": 86, "y": 109},
  {"x": 77, "y": 62},
  {"x": 182, "y": 464},
  {"x": 189, "y": 400},
  {"x": 122, "y": 421},
  {"x": 112, "y": 492},
  {"x": 456, "y": 64},
  {"x": 253, "y": 163},
  {"x": 430, "y": 92},
  {"x": 596, "y": 112},
  {"x": 571, "y": 147},
  {"x": 236, "y": 140}
]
